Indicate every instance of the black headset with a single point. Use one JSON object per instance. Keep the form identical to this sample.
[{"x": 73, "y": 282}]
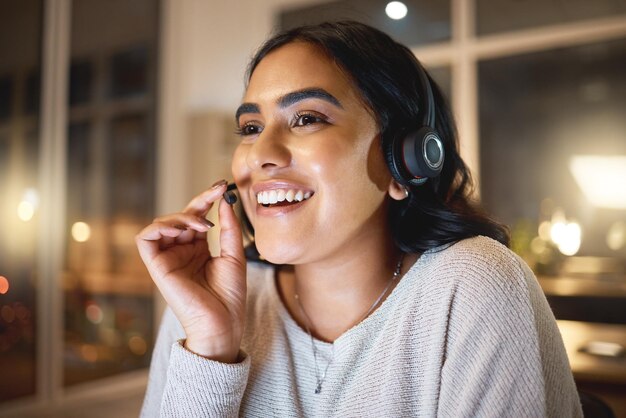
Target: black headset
[{"x": 418, "y": 155}]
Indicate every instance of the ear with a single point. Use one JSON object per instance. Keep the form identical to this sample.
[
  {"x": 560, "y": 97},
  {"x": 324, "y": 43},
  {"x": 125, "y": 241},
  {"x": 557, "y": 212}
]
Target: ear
[{"x": 397, "y": 191}]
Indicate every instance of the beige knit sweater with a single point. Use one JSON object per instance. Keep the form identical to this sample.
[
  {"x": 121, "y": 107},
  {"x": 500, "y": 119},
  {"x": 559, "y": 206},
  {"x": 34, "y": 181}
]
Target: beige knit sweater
[{"x": 466, "y": 333}]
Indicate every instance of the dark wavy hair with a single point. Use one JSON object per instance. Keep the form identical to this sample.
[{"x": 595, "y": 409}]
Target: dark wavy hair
[{"x": 386, "y": 73}]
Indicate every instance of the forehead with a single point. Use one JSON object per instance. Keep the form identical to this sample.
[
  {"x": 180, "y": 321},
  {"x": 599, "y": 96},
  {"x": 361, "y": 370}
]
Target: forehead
[{"x": 296, "y": 66}]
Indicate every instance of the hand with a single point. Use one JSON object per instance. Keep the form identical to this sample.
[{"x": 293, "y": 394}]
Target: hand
[{"x": 207, "y": 294}]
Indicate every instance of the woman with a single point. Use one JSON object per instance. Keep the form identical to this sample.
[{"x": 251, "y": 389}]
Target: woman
[{"x": 388, "y": 293}]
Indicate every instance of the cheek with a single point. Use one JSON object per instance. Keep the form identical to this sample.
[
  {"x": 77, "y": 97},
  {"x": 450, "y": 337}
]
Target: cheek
[
  {"x": 356, "y": 164},
  {"x": 241, "y": 176},
  {"x": 238, "y": 162},
  {"x": 351, "y": 171}
]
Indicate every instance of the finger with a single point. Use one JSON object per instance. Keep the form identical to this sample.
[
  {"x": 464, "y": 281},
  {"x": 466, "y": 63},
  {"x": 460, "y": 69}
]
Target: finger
[
  {"x": 202, "y": 235},
  {"x": 157, "y": 230},
  {"x": 166, "y": 242},
  {"x": 150, "y": 238},
  {"x": 198, "y": 223},
  {"x": 231, "y": 240},
  {"x": 190, "y": 236},
  {"x": 201, "y": 204}
]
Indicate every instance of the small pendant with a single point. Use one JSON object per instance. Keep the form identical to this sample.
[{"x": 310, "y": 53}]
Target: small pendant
[{"x": 318, "y": 389}]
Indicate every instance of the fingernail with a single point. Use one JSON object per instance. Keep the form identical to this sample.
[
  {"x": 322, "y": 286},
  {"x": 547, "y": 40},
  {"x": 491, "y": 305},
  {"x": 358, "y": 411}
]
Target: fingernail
[
  {"x": 180, "y": 226},
  {"x": 206, "y": 222},
  {"x": 218, "y": 184}
]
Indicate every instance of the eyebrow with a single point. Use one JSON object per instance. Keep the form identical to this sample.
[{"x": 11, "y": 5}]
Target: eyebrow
[
  {"x": 246, "y": 108},
  {"x": 290, "y": 99}
]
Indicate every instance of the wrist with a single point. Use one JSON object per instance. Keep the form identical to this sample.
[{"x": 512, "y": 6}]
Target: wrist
[{"x": 212, "y": 351}]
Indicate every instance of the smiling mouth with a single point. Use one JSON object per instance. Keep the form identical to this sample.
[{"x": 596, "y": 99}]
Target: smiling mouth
[{"x": 282, "y": 197}]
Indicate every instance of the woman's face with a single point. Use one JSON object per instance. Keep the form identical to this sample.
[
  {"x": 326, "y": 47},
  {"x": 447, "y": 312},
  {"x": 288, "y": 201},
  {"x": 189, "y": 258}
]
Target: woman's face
[{"x": 310, "y": 153}]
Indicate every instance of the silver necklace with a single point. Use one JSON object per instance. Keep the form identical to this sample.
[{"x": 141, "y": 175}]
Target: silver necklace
[{"x": 320, "y": 378}]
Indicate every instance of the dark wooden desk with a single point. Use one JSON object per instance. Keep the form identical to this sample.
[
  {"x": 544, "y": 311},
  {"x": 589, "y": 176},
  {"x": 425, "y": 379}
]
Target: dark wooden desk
[{"x": 589, "y": 367}]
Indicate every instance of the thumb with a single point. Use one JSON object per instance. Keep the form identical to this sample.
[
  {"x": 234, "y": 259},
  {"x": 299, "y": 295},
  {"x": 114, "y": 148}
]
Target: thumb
[{"x": 231, "y": 239}]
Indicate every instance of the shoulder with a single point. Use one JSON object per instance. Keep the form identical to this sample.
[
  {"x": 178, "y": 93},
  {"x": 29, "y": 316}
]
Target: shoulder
[
  {"x": 492, "y": 294},
  {"x": 479, "y": 263},
  {"x": 483, "y": 278},
  {"x": 478, "y": 254},
  {"x": 471, "y": 279},
  {"x": 501, "y": 340}
]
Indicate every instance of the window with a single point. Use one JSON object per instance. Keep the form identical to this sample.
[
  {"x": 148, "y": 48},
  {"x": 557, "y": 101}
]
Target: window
[
  {"x": 19, "y": 206},
  {"x": 501, "y": 16},
  {"x": 111, "y": 149},
  {"x": 556, "y": 155},
  {"x": 426, "y": 21},
  {"x": 73, "y": 202}
]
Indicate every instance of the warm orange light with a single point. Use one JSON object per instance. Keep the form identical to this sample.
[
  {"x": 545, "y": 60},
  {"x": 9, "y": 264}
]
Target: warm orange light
[
  {"x": 137, "y": 345},
  {"x": 89, "y": 352},
  {"x": 4, "y": 285}
]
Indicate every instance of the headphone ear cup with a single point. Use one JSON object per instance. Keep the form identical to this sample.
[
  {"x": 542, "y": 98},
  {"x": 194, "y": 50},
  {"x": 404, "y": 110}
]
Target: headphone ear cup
[
  {"x": 415, "y": 157},
  {"x": 423, "y": 153},
  {"x": 393, "y": 157}
]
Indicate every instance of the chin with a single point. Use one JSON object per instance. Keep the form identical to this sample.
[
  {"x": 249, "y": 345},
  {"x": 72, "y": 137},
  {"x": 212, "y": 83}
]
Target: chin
[{"x": 276, "y": 251}]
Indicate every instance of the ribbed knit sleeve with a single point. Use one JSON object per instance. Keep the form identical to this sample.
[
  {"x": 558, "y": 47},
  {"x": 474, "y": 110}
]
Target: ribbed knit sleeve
[
  {"x": 183, "y": 384},
  {"x": 504, "y": 355},
  {"x": 169, "y": 332},
  {"x": 199, "y": 387}
]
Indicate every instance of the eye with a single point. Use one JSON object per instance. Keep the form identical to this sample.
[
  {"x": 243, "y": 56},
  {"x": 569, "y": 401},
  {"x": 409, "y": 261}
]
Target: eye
[
  {"x": 249, "y": 128},
  {"x": 304, "y": 119}
]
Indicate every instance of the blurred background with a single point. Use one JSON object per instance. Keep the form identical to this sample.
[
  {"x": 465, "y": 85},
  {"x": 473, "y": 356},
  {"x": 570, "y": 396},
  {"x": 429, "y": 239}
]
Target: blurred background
[{"x": 112, "y": 111}]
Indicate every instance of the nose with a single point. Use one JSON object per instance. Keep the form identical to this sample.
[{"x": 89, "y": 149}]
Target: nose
[{"x": 269, "y": 151}]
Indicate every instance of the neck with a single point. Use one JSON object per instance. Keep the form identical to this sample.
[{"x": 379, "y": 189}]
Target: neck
[{"x": 336, "y": 293}]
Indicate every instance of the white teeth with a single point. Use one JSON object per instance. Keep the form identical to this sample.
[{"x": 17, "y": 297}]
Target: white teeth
[
  {"x": 270, "y": 197},
  {"x": 273, "y": 197}
]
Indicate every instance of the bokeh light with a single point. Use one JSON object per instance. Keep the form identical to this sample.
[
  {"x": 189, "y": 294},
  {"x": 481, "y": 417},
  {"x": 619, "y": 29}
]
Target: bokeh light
[
  {"x": 89, "y": 352},
  {"x": 544, "y": 230},
  {"x": 81, "y": 232},
  {"x": 567, "y": 237},
  {"x": 93, "y": 313},
  {"x": 25, "y": 211},
  {"x": 396, "y": 10},
  {"x": 4, "y": 285},
  {"x": 616, "y": 236},
  {"x": 538, "y": 246},
  {"x": 7, "y": 313},
  {"x": 110, "y": 336},
  {"x": 137, "y": 345},
  {"x": 28, "y": 205}
]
